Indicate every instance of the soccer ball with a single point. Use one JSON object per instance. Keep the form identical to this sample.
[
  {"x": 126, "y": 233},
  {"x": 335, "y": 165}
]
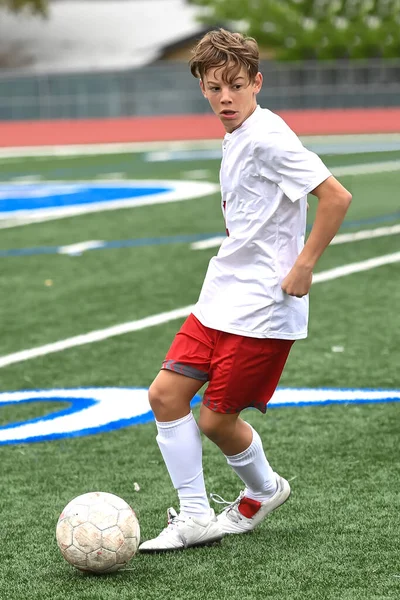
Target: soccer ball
[{"x": 98, "y": 532}]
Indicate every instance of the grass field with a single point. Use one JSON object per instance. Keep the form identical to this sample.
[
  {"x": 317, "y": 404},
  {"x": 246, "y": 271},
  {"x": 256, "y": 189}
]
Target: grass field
[{"x": 338, "y": 536}]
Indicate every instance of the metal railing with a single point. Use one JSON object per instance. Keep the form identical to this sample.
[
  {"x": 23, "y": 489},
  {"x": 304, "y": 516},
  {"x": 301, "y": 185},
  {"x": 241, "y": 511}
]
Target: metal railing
[{"x": 168, "y": 88}]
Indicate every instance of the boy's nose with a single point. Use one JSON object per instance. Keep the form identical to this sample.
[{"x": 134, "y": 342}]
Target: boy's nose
[{"x": 225, "y": 96}]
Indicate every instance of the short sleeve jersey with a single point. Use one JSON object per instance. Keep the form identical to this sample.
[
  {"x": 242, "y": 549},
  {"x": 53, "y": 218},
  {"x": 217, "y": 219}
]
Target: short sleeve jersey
[{"x": 266, "y": 174}]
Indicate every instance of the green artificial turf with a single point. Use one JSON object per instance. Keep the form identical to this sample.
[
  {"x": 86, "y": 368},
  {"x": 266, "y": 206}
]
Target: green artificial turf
[{"x": 337, "y": 536}]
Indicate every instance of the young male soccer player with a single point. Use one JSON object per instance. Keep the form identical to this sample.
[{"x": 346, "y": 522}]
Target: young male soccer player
[{"x": 253, "y": 303}]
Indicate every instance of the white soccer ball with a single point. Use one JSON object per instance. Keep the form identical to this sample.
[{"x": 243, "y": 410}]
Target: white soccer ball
[{"x": 98, "y": 532}]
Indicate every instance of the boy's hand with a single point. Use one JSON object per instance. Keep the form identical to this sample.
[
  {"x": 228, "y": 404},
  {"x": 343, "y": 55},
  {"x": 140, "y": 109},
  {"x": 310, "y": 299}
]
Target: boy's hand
[{"x": 298, "y": 281}]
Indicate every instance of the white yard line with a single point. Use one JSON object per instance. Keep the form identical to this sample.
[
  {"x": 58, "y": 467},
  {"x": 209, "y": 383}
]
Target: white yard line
[
  {"x": 78, "y": 249},
  {"x": 197, "y": 174},
  {"x": 99, "y": 149},
  {"x": 342, "y": 238},
  {"x": 117, "y": 175},
  {"x": 95, "y": 336},
  {"x": 176, "y": 190},
  {"x": 26, "y": 179},
  {"x": 367, "y": 168},
  {"x": 103, "y": 334},
  {"x": 365, "y": 234},
  {"x": 358, "y": 267},
  {"x": 213, "y": 242},
  {"x": 126, "y": 147}
]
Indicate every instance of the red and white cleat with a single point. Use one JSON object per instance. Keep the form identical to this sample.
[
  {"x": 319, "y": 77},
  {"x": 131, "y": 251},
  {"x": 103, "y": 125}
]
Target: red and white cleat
[{"x": 244, "y": 514}]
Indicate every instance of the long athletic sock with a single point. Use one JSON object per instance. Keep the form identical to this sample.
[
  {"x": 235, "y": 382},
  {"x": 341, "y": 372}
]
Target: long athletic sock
[
  {"x": 254, "y": 470},
  {"x": 180, "y": 445}
]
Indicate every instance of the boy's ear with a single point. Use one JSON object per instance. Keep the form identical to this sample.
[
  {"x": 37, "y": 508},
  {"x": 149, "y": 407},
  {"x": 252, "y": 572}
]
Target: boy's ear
[
  {"x": 203, "y": 89},
  {"x": 258, "y": 82}
]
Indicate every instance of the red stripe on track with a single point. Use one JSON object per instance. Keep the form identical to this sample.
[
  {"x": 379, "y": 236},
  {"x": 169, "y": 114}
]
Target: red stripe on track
[{"x": 188, "y": 127}]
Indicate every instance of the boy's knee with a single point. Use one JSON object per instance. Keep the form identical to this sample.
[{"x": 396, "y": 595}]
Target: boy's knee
[
  {"x": 159, "y": 397},
  {"x": 168, "y": 397},
  {"x": 213, "y": 427}
]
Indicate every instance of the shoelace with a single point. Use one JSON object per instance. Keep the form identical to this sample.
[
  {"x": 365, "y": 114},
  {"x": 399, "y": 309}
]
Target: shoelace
[
  {"x": 218, "y": 499},
  {"x": 172, "y": 523},
  {"x": 232, "y": 511}
]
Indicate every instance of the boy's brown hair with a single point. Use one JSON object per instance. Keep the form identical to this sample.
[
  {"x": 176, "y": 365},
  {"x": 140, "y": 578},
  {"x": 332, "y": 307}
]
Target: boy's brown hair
[{"x": 228, "y": 51}]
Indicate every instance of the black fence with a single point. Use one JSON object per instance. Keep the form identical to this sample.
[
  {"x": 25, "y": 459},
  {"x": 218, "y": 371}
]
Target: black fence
[{"x": 168, "y": 88}]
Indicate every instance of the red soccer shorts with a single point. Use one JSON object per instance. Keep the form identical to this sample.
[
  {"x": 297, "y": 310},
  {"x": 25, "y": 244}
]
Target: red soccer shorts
[{"x": 242, "y": 371}]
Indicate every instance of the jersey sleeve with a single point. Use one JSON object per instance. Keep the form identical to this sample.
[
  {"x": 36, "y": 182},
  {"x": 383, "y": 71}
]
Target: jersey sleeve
[{"x": 283, "y": 159}]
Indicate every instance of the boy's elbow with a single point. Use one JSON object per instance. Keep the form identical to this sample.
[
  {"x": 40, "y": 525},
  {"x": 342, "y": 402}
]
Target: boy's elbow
[
  {"x": 349, "y": 198},
  {"x": 345, "y": 199},
  {"x": 339, "y": 197}
]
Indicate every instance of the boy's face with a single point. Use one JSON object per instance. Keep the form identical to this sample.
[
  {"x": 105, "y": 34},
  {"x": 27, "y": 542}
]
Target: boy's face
[{"x": 232, "y": 102}]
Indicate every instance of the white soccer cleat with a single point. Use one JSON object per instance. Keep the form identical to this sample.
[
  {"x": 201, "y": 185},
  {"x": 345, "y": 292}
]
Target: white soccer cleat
[
  {"x": 185, "y": 532},
  {"x": 244, "y": 514}
]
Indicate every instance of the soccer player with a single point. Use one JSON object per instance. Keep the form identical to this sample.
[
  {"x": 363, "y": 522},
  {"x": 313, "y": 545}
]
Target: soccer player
[{"x": 253, "y": 304}]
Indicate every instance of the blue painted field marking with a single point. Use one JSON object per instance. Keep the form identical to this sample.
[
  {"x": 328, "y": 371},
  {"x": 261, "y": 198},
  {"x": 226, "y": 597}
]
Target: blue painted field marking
[
  {"x": 134, "y": 242},
  {"x": 22, "y": 203},
  {"x": 35, "y": 196},
  {"x": 290, "y": 397},
  {"x": 91, "y": 411},
  {"x": 75, "y": 404},
  {"x": 99, "y": 410}
]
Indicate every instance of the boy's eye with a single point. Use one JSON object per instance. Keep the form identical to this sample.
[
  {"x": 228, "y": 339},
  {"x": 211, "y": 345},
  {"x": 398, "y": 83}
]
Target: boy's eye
[{"x": 236, "y": 86}]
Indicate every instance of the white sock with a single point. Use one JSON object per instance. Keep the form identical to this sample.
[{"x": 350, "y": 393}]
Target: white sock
[
  {"x": 180, "y": 445},
  {"x": 254, "y": 470}
]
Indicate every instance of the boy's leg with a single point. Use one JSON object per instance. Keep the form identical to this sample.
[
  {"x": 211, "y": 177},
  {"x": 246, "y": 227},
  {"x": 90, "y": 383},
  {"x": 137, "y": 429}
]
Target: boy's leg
[
  {"x": 265, "y": 490},
  {"x": 244, "y": 372},
  {"x": 185, "y": 370},
  {"x": 243, "y": 449},
  {"x": 179, "y": 439},
  {"x": 180, "y": 445}
]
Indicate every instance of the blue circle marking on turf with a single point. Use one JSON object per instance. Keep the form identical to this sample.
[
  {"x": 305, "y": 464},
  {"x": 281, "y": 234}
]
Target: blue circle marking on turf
[
  {"x": 35, "y": 196},
  {"x": 90, "y": 411},
  {"x": 35, "y": 202},
  {"x": 99, "y": 410}
]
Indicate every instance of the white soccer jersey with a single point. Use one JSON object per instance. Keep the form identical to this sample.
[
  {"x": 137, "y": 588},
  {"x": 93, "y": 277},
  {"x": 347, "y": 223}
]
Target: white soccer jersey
[{"x": 266, "y": 174}]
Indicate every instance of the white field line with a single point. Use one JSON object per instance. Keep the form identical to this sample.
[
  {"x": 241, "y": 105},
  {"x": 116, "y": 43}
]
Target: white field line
[
  {"x": 26, "y": 179},
  {"x": 197, "y": 174},
  {"x": 39, "y": 216},
  {"x": 117, "y": 175},
  {"x": 367, "y": 168},
  {"x": 95, "y": 336},
  {"x": 137, "y": 147},
  {"x": 78, "y": 249},
  {"x": 122, "y": 328},
  {"x": 365, "y": 234},
  {"x": 213, "y": 242},
  {"x": 358, "y": 267},
  {"x": 342, "y": 238},
  {"x": 100, "y": 149},
  {"x": 179, "y": 191}
]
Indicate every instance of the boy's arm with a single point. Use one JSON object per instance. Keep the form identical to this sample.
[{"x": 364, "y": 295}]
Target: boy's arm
[{"x": 333, "y": 202}]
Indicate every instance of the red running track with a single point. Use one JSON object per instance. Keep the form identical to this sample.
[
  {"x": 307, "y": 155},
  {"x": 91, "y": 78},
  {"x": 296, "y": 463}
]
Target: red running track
[{"x": 188, "y": 127}]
